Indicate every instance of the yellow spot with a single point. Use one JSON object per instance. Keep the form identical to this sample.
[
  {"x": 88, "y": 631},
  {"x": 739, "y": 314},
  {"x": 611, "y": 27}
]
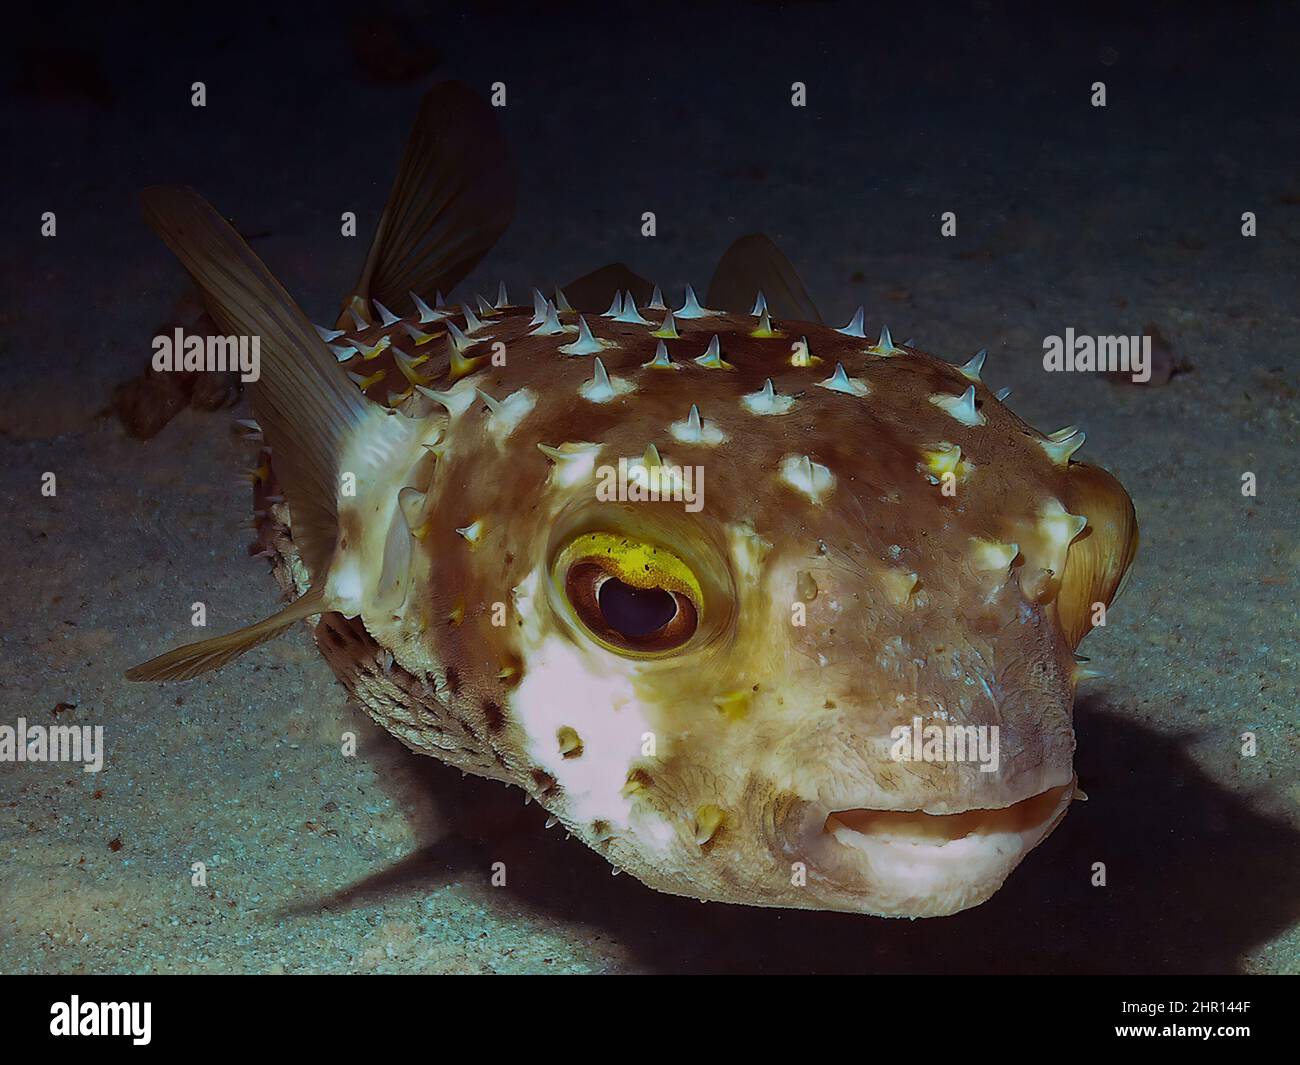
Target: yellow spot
[
  {"x": 457, "y": 614},
  {"x": 636, "y": 780},
  {"x": 473, "y": 532},
  {"x": 733, "y": 705},
  {"x": 463, "y": 367},
  {"x": 946, "y": 459},
  {"x": 373, "y": 353},
  {"x": 569, "y": 740},
  {"x": 990, "y": 555},
  {"x": 638, "y": 563},
  {"x": 708, "y": 819}
]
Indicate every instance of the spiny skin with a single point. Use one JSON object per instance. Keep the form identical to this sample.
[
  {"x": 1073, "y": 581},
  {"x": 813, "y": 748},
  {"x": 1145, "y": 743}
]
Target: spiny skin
[{"x": 761, "y": 727}]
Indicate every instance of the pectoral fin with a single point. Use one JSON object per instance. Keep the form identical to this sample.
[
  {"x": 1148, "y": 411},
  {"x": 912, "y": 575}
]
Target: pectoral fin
[
  {"x": 189, "y": 661},
  {"x": 1099, "y": 559},
  {"x": 307, "y": 408}
]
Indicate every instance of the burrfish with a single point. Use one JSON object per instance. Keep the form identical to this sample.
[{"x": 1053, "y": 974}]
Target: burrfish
[{"x": 763, "y": 611}]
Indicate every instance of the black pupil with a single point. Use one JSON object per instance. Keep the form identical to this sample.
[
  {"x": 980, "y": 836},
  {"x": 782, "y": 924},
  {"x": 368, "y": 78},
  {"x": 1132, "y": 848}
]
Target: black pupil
[{"x": 635, "y": 612}]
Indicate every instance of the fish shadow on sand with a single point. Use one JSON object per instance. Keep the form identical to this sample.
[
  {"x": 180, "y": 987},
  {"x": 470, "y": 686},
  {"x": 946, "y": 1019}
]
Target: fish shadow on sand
[{"x": 1195, "y": 879}]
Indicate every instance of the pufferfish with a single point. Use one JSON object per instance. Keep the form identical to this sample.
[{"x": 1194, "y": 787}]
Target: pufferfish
[{"x": 680, "y": 573}]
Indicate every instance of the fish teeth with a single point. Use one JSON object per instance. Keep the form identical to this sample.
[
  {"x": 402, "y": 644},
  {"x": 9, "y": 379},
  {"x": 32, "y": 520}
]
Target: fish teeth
[
  {"x": 760, "y": 305},
  {"x": 602, "y": 388},
  {"x": 656, "y": 301},
  {"x": 587, "y": 343},
  {"x": 503, "y": 300},
  {"x": 328, "y": 334},
  {"x": 766, "y": 401},
  {"x": 562, "y": 301},
  {"x": 357, "y": 318},
  {"x": 629, "y": 314},
  {"x": 1001, "y": 394},
  {"x": 961, "y": 407},
  {"x": 854, "y": 328},
  {"x": 840, "y": 381},
  {"x": 693, "y": 430},
  {"x": 615, "y": 308},
  {"x": 343, "y": 352},
  {"x": 712, "y": 358},
  {"x": 691, "y": 306}
]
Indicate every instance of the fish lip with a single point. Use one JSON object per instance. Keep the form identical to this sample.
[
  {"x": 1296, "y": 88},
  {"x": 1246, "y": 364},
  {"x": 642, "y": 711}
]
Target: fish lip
[
  {"x": 904, "y": 864},
  {"x": 937, "y": 829}
]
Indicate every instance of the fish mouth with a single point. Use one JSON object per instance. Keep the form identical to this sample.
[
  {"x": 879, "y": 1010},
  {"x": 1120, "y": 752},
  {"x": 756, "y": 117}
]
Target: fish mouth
[{"x": 909, "y": 863}]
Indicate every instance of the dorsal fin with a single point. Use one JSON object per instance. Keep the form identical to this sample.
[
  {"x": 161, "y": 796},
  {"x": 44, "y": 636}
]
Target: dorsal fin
[
  {"x": 754, "y": 263},
  {"x": 453, "y": 197},
  {"x": 593, "y": 292},
  {"x": 195, "y": 658},
  {"x": 305, "y": 405}
]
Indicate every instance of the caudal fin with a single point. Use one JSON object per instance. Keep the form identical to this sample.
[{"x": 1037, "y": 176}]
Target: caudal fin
[{"x": 752, "y": 264}]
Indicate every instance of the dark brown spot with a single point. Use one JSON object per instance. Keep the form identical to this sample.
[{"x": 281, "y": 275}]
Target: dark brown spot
[{"x": 494, "y": 716}]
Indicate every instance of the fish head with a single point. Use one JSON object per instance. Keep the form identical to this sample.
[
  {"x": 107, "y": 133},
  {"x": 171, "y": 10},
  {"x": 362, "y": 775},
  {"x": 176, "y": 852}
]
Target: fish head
[{"x": 754, "y": 629}]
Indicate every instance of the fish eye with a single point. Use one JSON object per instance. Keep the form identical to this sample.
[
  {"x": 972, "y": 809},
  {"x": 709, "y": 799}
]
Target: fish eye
[{"x": 632, "y": 596}]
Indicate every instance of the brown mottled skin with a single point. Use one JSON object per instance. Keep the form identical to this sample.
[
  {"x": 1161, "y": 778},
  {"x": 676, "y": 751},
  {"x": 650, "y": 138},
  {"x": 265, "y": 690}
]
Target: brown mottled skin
[
  {"x": 968, "y": 645},
  {"x": 848, "y": 571}
]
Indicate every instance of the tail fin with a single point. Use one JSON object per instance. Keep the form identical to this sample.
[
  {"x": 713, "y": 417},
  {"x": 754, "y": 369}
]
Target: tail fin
[
  {"x": 453, "y": 198},
  {"x": 594, "y": 292},
  {"x": 306, "y": 407},
  {"x": 752, "y": 263}
]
